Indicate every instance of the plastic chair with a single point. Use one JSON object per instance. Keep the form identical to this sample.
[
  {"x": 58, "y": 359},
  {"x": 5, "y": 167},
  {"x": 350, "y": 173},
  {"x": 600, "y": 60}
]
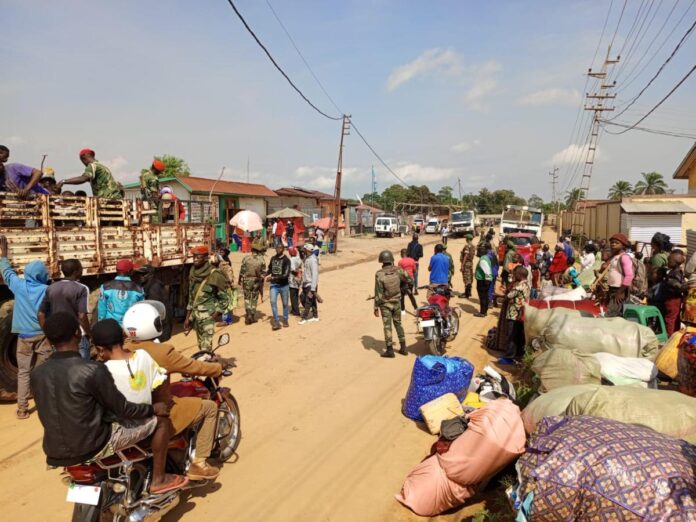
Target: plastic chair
[{"x": 649, "y": 316}]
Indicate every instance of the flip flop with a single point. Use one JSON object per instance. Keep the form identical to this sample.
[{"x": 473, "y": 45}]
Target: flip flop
[
  {"x": 22, "y": 414},
  {"x": 178, "y": 482}
]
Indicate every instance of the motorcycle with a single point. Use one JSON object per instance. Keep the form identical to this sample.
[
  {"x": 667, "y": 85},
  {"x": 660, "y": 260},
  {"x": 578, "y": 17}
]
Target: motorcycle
[
  {"x": 438, "y": 322},
  {"x": 115, "y": 488}
]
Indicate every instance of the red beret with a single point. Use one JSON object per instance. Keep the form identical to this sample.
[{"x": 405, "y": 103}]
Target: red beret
[
  {"x": 158, "y": 165},
  {"x": 86, "y": 151},
  {"x": 200, "y": 250},
  {"x": 124, "y": 265},
  {"x": 621, "y": 238}
]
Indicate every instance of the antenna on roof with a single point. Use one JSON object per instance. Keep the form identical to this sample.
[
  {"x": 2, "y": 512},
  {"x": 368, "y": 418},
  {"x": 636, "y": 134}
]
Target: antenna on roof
[{"x": 358, "y": 198}]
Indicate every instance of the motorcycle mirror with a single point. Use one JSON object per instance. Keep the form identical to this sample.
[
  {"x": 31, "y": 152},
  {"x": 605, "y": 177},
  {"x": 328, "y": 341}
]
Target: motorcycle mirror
[{"x": 223, "y": 340}]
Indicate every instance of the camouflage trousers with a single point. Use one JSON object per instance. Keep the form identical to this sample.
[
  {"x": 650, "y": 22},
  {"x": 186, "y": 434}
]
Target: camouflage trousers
[
  {"x": 391, "y": 313},
  {"x": 251, "y": 296},
  {"x": 204, "y": 326},
  {"x": 468, "y": 273}
]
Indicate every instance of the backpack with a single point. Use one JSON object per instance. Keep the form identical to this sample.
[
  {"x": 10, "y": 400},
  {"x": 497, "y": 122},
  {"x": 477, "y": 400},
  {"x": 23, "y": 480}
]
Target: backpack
[
  {"x": 391, "y": 282},
  {"x": 639, "y": 286}
]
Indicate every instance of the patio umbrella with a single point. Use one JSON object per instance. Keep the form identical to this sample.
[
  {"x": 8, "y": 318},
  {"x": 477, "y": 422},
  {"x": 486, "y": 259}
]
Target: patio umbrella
[
  {"x": 247, "y": 220},
  {"x": 287, "y": 213}
]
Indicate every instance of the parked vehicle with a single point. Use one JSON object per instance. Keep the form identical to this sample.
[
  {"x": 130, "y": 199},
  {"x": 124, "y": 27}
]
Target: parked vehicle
[
  {"x": 517, "y": 218},
  {"x": 433, "y": 226},
  {"x": 418, "y": 224},
  {"x": 115, "y": 488},
  {"x": 438, "y": 322},
  {"x": 526, "y": 244},
  {"x": 462, "y": 222},
  {"x": 387, "y": 226}
]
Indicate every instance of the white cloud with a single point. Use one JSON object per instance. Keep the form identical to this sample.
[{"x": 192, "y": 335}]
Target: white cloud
[
  {"x": 571, "y": 154},
  {"x": 120, "y": 169},
  {"x": 552, "y": 97},
  {"x": 415, "y": 173},
  {"x": 437, "y": 61},
  {"x": 13, "y": 141},
  {"x": 465, "y": 146},
  {"x": 324, "y": 178}
]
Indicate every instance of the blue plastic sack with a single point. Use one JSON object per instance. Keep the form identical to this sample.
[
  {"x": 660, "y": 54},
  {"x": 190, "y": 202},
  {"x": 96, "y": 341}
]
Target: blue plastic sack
[{"x": 433, "y": 376}]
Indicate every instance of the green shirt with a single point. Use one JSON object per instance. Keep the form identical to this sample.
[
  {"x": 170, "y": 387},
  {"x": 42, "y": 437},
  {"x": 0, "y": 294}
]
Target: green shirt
[
  {"x": 659, "y": 260},
  {"x": 102, "y": 181}
]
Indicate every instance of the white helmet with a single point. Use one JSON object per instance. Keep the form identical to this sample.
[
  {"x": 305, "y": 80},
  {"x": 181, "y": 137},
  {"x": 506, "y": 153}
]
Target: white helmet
[{"x": 143, "y": 320}]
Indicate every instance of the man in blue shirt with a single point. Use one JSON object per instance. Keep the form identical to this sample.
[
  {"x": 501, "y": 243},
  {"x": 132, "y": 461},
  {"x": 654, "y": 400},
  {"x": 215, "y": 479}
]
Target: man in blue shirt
[
  {"x": 439, "y": 267},
  {"x": 568, "y": 248},
  {"x": 118, "y": 295}
]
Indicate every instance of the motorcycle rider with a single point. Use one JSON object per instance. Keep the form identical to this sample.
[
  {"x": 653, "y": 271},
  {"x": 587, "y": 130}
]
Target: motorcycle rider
[
  {"x": 388, "y": 282},
  {"x": 77, "y": 399},
  {"x": 142, "y": 324}
]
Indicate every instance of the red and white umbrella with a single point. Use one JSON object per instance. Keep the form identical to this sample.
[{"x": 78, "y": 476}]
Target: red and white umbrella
[{"x": 247, "y": 220}]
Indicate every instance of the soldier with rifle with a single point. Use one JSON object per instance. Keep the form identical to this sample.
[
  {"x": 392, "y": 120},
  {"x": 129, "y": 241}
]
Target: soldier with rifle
[
  {"x": 388, "y": 282},
  {"x": 251, "y": 276},
  {"x": 150, "y": 188}
]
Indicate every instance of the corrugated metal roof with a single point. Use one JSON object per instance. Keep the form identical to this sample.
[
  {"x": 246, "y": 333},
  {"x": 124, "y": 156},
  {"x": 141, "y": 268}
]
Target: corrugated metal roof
[
  {"x": 302, "y": 193},
  {"x": 656, "y": 207},
  {"x": 237, "y": 188}
]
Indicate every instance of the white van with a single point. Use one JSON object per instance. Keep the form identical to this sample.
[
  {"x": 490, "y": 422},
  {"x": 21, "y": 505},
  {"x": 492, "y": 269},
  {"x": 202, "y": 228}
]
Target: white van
[
  {"x": 387, "y": 226},
  {"x": 433, "y": 226}
]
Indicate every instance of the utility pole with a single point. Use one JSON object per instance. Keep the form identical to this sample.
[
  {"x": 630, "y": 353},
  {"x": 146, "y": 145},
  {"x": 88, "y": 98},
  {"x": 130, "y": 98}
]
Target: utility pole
[
  {"x": 459, "y": 185},
  {"x": 373, "y": 187},
  {"x": 554, "y": 181},
  {"x": 601, "y": 101},
  {"x": 345, "y": 131}
]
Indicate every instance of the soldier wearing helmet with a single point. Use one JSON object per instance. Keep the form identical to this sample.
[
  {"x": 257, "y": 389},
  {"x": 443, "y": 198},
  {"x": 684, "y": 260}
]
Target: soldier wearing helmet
[
  {"x": 388, "y": 282},
  {"x": 251, "y": 276},
  {"x": 150, "y": 187}
]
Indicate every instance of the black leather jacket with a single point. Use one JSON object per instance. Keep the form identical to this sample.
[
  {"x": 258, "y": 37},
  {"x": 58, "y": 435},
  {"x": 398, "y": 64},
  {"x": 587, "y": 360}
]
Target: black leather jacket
[{"x": 77, "y": 400}]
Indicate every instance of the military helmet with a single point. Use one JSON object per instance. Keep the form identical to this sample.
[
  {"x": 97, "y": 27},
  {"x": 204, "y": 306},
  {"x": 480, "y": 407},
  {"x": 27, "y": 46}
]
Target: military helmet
[
  {"x": 385, "y": 256},
  {"x": 258, "y": 245}
]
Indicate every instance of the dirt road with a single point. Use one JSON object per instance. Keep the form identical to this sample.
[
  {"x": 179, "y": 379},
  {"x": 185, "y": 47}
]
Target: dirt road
[{"x": 323, "y": 434}]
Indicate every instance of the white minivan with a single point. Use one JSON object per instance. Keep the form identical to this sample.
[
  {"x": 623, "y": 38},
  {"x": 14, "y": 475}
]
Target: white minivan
[
  {"x": 433, "y": 226},
  {"x": 387, "y": 226}
]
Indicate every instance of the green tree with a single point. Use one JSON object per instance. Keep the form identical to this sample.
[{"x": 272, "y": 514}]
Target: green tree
[
  {"x": 620, "y": 190},
  {"x": 652, "y": 183},
  {"x": 573, "y": 196},
  {"x": 174, "y": 167},
  {"x": 535, "y": 201},
  {"x": 445, "y": 195},
  {"x": 393, "y": 194}
]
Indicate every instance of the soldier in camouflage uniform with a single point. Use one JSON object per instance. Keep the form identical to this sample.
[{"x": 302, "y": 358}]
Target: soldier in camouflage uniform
[
  {"x": 99, "y": 177},
  {"x": 150, "y": 188},
  {"x": 218, "y": 261},
  {"x": 251, "y": 276},
  {"x": 208, "y": 298},
  {"x": 451, "y": 263},
  {"x": 388, "y": 283},
  {"x": 467, "y": 260}
]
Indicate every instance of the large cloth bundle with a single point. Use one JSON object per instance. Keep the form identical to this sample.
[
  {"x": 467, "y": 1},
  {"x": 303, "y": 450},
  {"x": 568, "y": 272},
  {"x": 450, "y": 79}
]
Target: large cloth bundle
[
  {"x": 552, "y": 404},
  {"x": 667, "y": 412},
  {"x": 535, "y": 321},
  {"x": 589, "y": 468},
  {"x": 589, "y": 335},
  {"x": 627, "y": 370},
  {"x": 493, "y": 439},
  {"x": 576, "y": 294},
  {"x": 556, "y": 368},
  {"x": 433, "y": 376}
]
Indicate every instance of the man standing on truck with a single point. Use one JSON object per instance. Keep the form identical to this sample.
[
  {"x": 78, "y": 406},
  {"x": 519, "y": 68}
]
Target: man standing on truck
[
  {"x": 99, "y": 177},
  {"x": 414, "y": 250},
  {"x": 18, "y": 178},
  {"x": 28, "y": 292},
  {"x": 208, "y": 298},
  {"x": 119, "y": 294},
  {"x": 251, "y": 276},
  {"x": 466, "y": 258},
  {"x": 150, "y": 188}
]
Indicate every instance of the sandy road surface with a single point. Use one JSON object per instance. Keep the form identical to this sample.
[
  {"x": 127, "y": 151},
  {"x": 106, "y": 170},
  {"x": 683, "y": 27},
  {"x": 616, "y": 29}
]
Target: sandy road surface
[{"x": 323, "y": 433}]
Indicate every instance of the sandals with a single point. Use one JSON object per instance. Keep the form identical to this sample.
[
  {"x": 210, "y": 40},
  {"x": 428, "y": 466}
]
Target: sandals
[
  {"x": 22, "y": 414},
  {"x": 177, "y": 482}
]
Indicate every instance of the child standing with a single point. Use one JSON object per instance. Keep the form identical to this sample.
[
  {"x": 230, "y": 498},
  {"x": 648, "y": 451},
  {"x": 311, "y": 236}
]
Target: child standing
[
  {"x": 517, "y": 297},
  {"x": 672, "y": 290},
  {"x": 571, "y": 274}
]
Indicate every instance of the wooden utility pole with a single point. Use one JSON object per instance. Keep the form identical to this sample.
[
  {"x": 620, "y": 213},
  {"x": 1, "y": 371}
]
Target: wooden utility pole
[
  {"x": 554, "y": 181},
  {"x": 600, "y": 100},
  {"x": 345, "y": 131}
]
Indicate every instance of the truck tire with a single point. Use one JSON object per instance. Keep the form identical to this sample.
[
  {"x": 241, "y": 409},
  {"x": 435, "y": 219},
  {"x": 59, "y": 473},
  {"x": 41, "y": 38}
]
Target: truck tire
[{"x": 8, "y": 354}]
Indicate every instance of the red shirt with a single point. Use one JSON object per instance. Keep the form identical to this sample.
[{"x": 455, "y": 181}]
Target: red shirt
[
  {"x": 408, "y": 265},
  {"x": 559, "y": 263}
]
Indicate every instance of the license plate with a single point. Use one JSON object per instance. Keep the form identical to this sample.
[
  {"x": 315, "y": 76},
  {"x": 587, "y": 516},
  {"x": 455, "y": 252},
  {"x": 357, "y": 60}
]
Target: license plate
[
  {"x": 429, "y": 322},
  {"x": 83, "y": 494}
]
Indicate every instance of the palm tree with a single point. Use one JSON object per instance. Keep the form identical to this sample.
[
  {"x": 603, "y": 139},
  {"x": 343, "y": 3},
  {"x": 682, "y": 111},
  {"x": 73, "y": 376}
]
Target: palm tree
[
  {"x": 573, "y": 196},
  {"x": 652, "y": 183},
  {"x": 620, "y": 190}
]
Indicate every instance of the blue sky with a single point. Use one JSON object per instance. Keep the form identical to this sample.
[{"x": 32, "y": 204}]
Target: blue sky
[{"x": 482, "y": 91}]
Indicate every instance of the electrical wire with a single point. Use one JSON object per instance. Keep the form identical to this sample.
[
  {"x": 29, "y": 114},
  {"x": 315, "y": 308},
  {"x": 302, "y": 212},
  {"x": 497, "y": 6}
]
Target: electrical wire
[
  {"x": 384, "y": 163},
  {"x": 623, "y": 9},
  {"x": 268, "y": 54},
  {"x": 626, "y": 59},
  {"x": 664, "y": 99},
  {"x": 659, "y": 71},
  {"x": 646, "y": 129}
]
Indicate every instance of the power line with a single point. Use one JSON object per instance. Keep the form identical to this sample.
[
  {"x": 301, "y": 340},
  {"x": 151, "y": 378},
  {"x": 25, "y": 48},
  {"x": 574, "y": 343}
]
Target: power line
[
  {"x": 379, "y": 157},
  {"x": 265, "y": 50},
  {"x": 659, "y": 71},
  {"x": 618, "y": 23},
  {"x": 661, "y": 101},
  {"x": 638, "y": 39},
  {"x": 646, "y": 129}
]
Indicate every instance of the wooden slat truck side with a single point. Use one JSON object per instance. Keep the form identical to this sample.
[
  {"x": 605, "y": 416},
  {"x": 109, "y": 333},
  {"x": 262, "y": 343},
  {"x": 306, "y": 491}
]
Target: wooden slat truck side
[{"x": 98, "y": 232}]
